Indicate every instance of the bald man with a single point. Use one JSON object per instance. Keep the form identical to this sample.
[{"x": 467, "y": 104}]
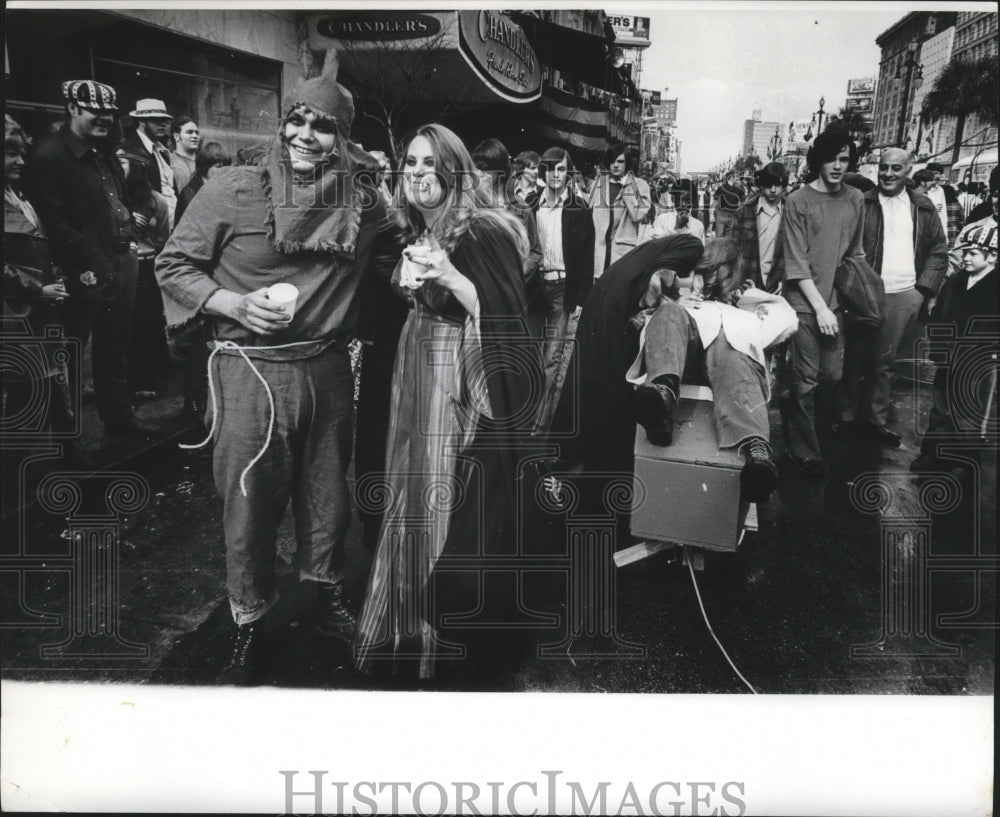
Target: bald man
[{"x": 905, "y": 244}]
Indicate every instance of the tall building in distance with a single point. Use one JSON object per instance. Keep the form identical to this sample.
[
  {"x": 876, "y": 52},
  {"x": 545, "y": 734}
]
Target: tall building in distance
[
  {"x": 976, "y": 37},
  {"x": 930, "y": 140},
  {"x": 900, "y": 72},
  {"x": 660, "y": 144},
  {"x": 758, "y": 136}
]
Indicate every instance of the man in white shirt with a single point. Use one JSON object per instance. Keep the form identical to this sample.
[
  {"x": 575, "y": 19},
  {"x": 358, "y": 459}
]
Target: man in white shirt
[
  {"x": 905, "y": 243},
  {"x": 928, "y": 182},
  {"x": 148, "y": 141}
]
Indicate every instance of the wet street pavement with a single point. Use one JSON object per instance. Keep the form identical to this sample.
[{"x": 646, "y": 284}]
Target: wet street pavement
[{"x": 865, "y": 582}]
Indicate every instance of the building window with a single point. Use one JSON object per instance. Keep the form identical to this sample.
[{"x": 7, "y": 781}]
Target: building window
[{"x": 234, "y": 97}]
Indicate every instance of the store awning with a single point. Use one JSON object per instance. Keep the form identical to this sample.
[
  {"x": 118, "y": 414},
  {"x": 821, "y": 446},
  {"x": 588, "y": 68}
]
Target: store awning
[{"x": 451, "y": 58}]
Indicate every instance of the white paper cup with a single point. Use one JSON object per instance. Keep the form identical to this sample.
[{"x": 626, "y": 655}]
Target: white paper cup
[
  {"x": 285, "y": 296},
  {"x": 408, "y": 272}
]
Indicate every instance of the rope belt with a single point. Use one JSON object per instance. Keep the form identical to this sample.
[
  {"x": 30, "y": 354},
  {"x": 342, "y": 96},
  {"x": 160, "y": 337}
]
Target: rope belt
[{"x": 232, "y": 345}]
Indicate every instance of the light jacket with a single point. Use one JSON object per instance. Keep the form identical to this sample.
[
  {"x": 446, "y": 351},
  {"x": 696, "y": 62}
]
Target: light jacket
[{"x": 632, "y": 205}]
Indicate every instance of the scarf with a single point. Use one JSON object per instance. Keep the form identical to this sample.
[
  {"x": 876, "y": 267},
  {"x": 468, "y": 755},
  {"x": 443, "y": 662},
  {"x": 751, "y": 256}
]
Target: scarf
[{"x": 322, "y": 212}]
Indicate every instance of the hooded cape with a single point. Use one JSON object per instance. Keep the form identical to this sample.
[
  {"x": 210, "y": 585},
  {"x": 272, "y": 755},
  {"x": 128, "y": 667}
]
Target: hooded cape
[{"x": 593, "y": 423}]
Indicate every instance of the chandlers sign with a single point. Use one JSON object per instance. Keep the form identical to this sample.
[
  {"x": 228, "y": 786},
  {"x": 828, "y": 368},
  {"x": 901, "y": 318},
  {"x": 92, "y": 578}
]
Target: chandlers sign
[
  {"x": 377, "y": 25},
  {"x": 495, "y": 48}
]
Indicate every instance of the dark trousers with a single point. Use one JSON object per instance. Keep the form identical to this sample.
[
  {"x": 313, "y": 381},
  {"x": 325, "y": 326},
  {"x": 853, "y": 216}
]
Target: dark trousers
[
  {"x": 739, "y": 383},
  {"x": 148, "y": 355},
  {"x": 109, "y": 323},
  {"x": 815, "y": 360}
]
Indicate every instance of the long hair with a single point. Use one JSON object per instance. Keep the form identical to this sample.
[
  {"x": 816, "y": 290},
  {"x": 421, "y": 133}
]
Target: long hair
[
  {"x": 211, "y": 155},
  {"x": 826, "y": 147},
  {"x": 460, "y": 183},
  {"x": 137, "y": 191},
  {"x": 719, "y": 253}
]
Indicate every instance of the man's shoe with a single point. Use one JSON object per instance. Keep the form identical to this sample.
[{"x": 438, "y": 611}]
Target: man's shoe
[
  {"x": 333, "y": 619},
  {"x": 924, "y": 463},
  {"x": 809, "y": 466},
  {"x": 246, "y": 664},
  {"x": 759, "y": 476},
  {"x": 132, "y": 425},
  {"x": 842, "y": 427},
  {"x": 883, "y": 434},
  {"x": 654, "y": 408}
]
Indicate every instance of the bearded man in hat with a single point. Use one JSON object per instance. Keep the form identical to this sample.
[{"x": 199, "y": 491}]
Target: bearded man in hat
[
  {"x": 309, "y": 215},
  {"x": 149, "y": 142},
  {"x": 76, "y": 186}
]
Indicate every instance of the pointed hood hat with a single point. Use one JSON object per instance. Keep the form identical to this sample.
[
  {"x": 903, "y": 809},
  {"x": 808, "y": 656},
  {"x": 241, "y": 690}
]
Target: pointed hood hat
[{"x": 323, "y": 211}]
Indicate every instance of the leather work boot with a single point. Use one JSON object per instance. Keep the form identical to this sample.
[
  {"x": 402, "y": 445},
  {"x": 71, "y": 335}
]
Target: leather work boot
[
  {"x": 246, "y": 664},
  {"x": 654, "y": 409},
  {"x": 333, "y": 619},
  {"x": 759, "y": 476}
]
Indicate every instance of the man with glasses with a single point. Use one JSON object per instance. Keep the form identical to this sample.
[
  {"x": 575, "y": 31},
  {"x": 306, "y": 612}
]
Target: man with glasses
[{"x": 75, "y": 184}]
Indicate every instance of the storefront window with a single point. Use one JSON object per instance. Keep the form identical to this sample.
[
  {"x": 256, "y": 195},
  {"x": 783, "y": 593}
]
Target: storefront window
[{"x": 234, "y": 97}]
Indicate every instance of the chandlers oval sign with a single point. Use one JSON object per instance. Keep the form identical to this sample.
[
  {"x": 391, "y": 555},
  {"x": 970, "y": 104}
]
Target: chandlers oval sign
[
  {"x": 378, "y": 25},
  {"x": 497, "y": 50}
]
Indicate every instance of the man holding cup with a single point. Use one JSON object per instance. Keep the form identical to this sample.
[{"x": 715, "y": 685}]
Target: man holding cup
[{"x": 274, "y": 261}]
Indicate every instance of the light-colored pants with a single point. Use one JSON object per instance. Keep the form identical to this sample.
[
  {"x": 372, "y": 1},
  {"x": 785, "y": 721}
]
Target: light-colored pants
[
  {"x": 870, "y": 360},
  {"x": 738, "y": 382}
]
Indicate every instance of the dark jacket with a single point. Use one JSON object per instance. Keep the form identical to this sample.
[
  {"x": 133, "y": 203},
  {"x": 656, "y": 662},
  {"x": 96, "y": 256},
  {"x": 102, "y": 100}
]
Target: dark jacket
[
  {"x": 65, "y": 182},
  {"x": 593, "y": 421},
  {"x": 958, "y": 305},
  {"x": 749, "y": 248},
  {"x": 185, "y": 196},
  {"x": 578, "y": 250},
  {"x": 930, "y": 247},
  {"x": 133, "y": 144},
  {"x": 860, "y": 292}
]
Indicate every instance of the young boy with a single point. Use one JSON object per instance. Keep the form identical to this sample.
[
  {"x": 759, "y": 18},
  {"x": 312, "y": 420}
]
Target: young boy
[{"x": 960, "y": 398}]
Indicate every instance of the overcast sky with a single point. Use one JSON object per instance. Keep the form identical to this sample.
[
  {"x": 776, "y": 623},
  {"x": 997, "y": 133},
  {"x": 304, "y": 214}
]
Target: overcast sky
[{"x": 723, "y": 60}]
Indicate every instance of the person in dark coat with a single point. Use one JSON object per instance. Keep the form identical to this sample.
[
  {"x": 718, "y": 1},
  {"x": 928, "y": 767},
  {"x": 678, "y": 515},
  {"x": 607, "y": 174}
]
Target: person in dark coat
[
  {"x": 77, "y": 187},
  {"x": 964, "y": 405},
  {"x": 594, "y": 422}
]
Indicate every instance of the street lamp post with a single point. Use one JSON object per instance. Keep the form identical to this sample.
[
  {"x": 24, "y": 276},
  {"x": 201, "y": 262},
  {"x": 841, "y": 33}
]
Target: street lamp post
[
  {"x": 817, "y": 117},
  {"x": 774, "y": 151},
  {"x": 904, "y": 105}
]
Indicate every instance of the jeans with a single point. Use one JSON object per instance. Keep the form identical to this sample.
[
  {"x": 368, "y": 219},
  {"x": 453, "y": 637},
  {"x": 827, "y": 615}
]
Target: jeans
[
  {"x": 815, "y": 359},
  {"x": 870, "y": 360},
  {"x": 556, "y": 320},
  {"x": 725, "y": 222},
  {"x": 739, "y": 383},
  {"x": 306, "y": 461}
]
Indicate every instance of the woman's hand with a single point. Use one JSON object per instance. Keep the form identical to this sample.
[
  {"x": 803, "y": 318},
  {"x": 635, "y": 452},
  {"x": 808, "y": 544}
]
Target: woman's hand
[
  {"x": 140, "y": 220},
  {"x": 435, "y": 266},
  {"x": 56, "y": 290}
]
